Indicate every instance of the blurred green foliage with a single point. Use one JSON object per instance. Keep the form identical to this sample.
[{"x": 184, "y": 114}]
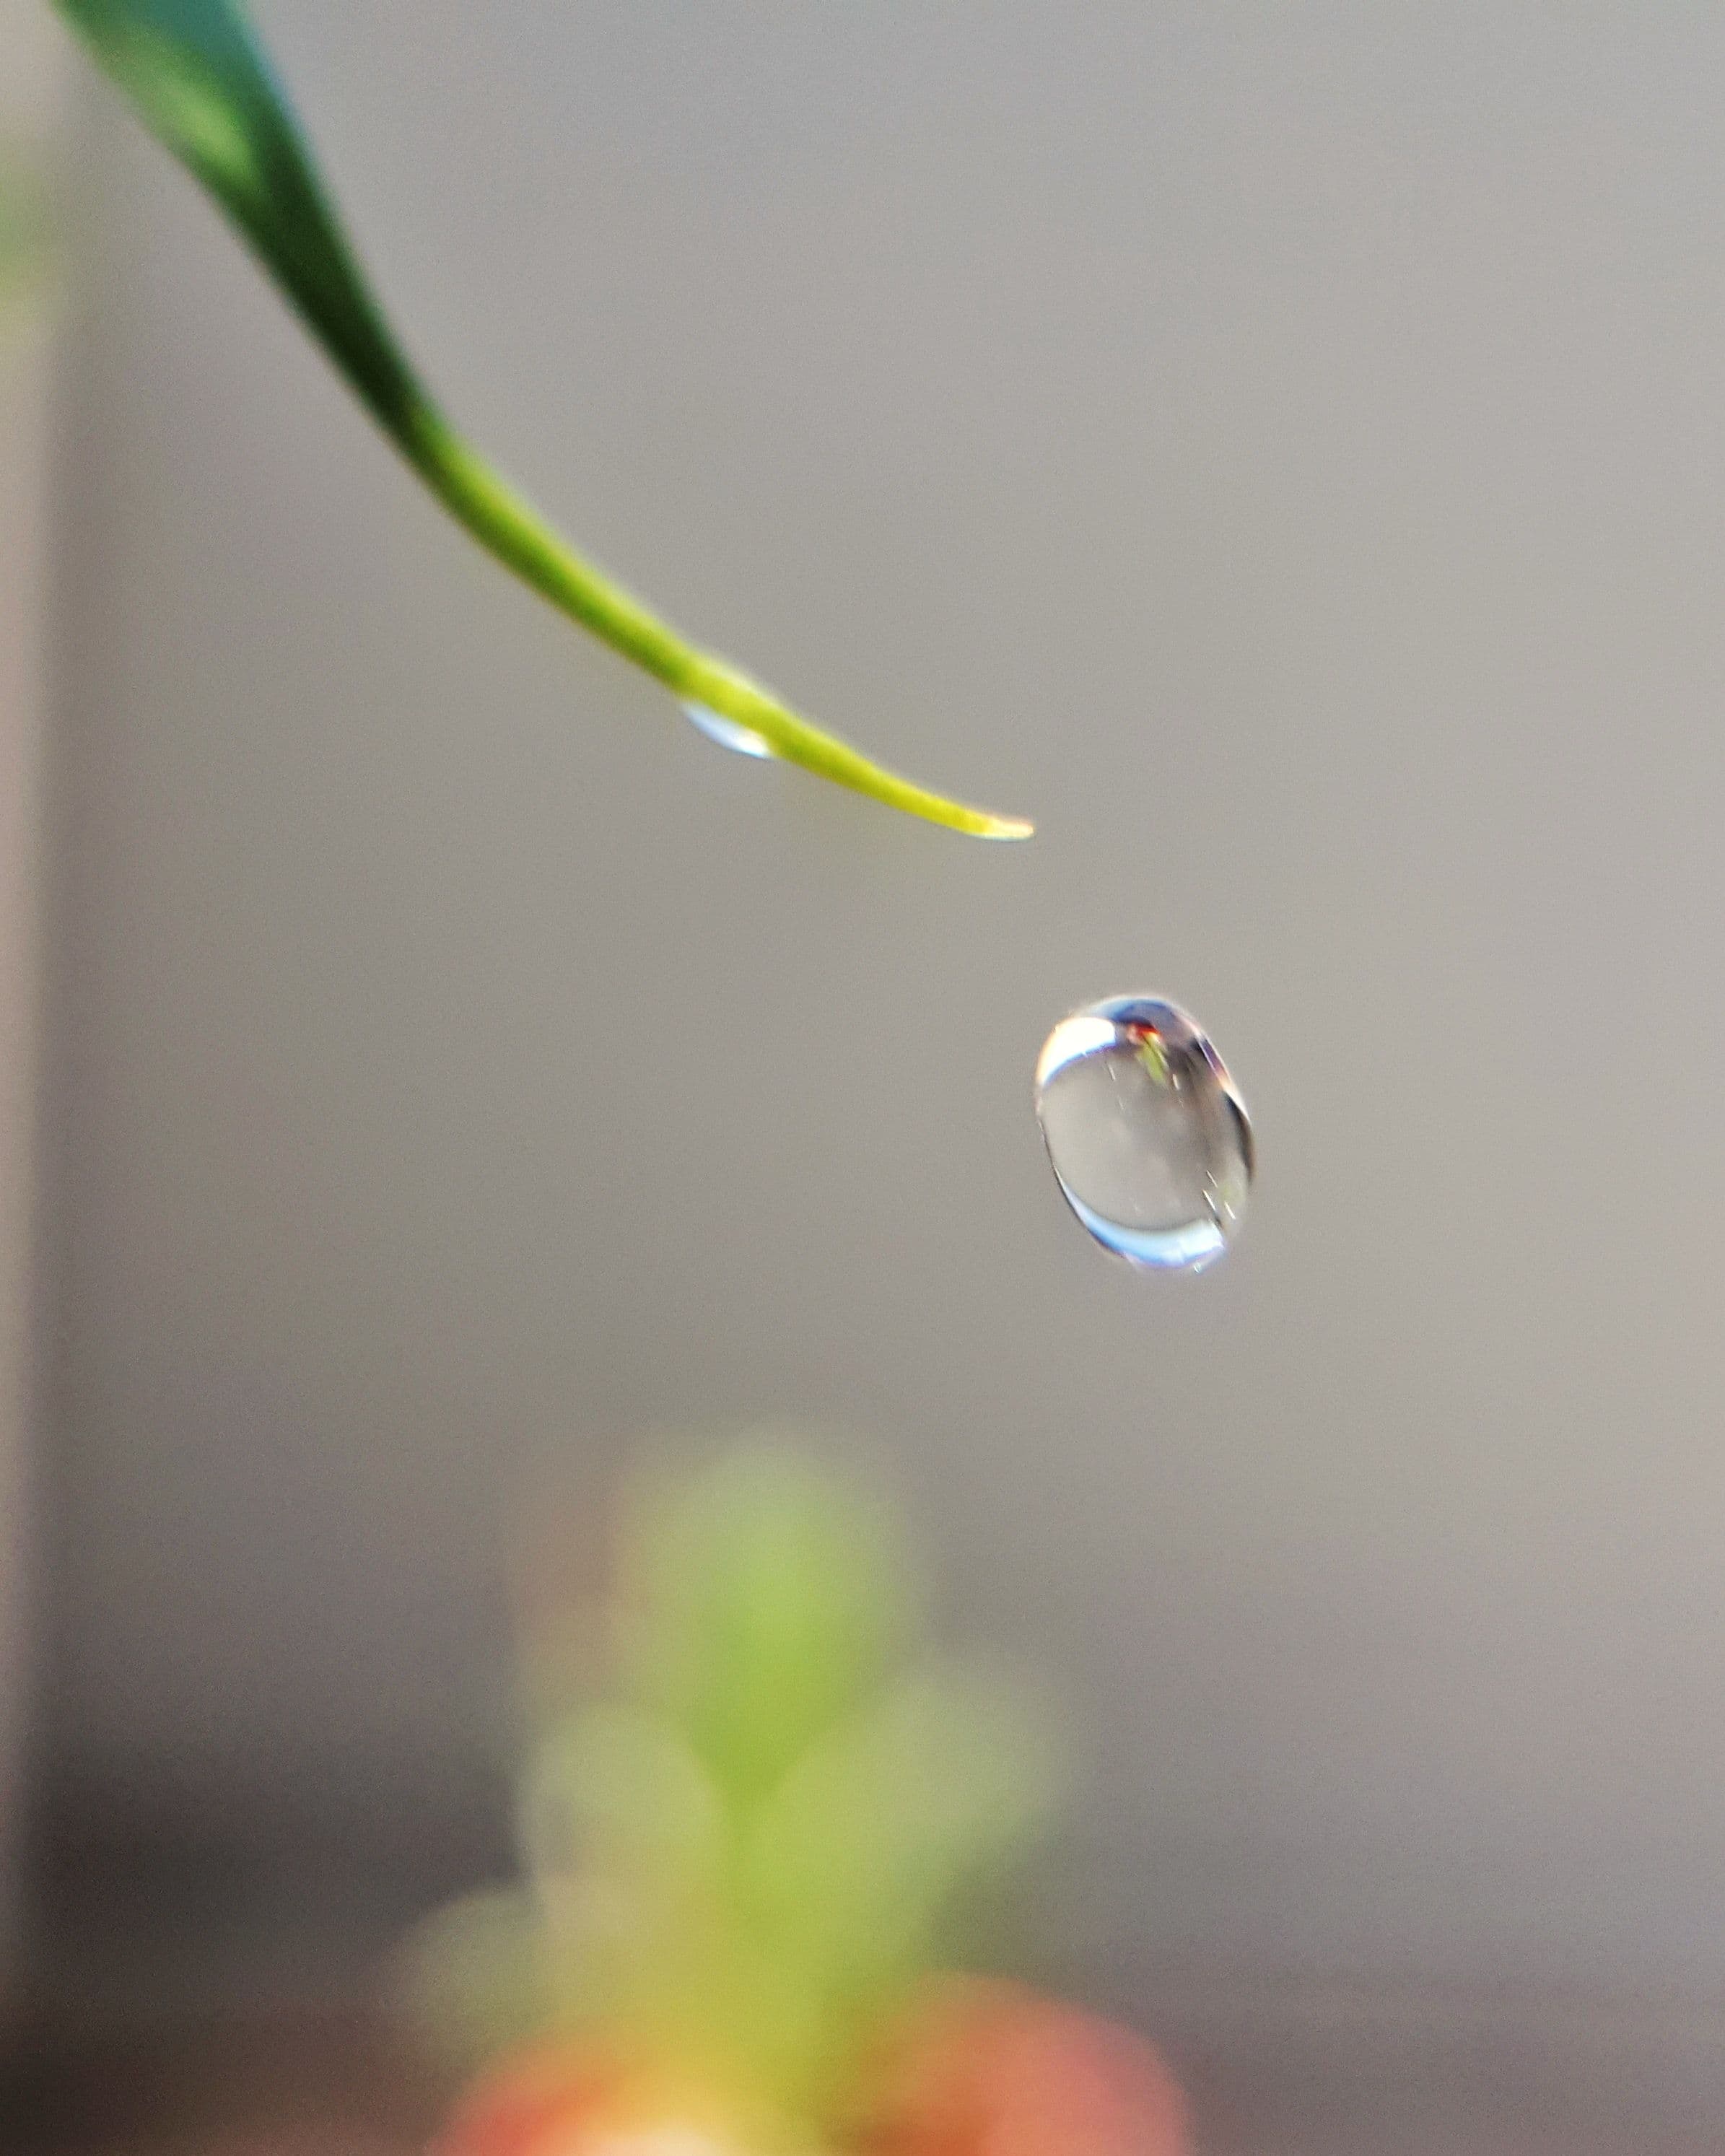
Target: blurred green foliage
[
  {"x": 757, "y": 1843},
  {"x": 24, "y": 231}
]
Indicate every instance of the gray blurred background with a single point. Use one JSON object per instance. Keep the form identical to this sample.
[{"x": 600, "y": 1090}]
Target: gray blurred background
[{"x": 1279, "y": 448}]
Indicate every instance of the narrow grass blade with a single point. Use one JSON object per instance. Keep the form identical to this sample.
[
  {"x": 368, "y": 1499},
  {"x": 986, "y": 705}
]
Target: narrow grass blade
[{"x": 202, "y": 84}]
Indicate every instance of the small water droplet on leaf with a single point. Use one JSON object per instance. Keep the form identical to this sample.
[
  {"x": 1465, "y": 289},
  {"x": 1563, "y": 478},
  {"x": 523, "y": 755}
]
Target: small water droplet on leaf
[{"x": 728, "y": 733}]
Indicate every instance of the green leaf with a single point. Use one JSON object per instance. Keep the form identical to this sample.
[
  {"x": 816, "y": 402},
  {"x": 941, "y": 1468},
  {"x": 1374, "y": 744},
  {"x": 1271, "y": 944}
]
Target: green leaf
[
  {"x": 202, "y": 84},
  {"x": 763, "y": 1598},
  {"x": 857, "y": 1862},
  {"x": 618, "y": 1790},
  {"x": 628, "y": 1849}
]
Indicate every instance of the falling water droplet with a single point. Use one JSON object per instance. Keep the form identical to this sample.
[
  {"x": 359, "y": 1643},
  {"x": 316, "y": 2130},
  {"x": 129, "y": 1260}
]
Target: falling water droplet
[
  {"x": 728, "y": 733},
  {"x": 1147, "y": 1136}
]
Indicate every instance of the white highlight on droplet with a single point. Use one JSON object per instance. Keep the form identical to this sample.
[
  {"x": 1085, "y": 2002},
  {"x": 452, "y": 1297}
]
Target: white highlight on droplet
[{"x": 728, "y": 733}]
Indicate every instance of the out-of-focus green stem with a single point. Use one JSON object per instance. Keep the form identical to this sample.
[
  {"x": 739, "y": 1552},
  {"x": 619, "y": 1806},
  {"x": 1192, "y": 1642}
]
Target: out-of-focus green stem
[
  {"x": 202, "y": 84},
  {"x": 22, "y": 227}
]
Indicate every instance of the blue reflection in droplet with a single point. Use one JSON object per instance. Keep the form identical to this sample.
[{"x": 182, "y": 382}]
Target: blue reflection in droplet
[{"x": 728, "y": 733}]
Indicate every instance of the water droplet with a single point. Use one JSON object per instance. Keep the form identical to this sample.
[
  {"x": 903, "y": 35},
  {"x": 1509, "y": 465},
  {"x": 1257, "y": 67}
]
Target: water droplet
[
  {"x": 728, "y": 733},
  {"x": 1147, "y": 1136}
]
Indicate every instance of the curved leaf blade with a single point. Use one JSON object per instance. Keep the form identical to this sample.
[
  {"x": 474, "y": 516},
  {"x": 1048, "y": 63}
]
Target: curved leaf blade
[{"x": 203, "y": 86}]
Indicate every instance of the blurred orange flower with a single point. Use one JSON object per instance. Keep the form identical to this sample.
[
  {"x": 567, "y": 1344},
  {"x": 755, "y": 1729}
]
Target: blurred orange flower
[
  {"x": 993, "y": 2070},
  {"x": 558, "y": 2100}
]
